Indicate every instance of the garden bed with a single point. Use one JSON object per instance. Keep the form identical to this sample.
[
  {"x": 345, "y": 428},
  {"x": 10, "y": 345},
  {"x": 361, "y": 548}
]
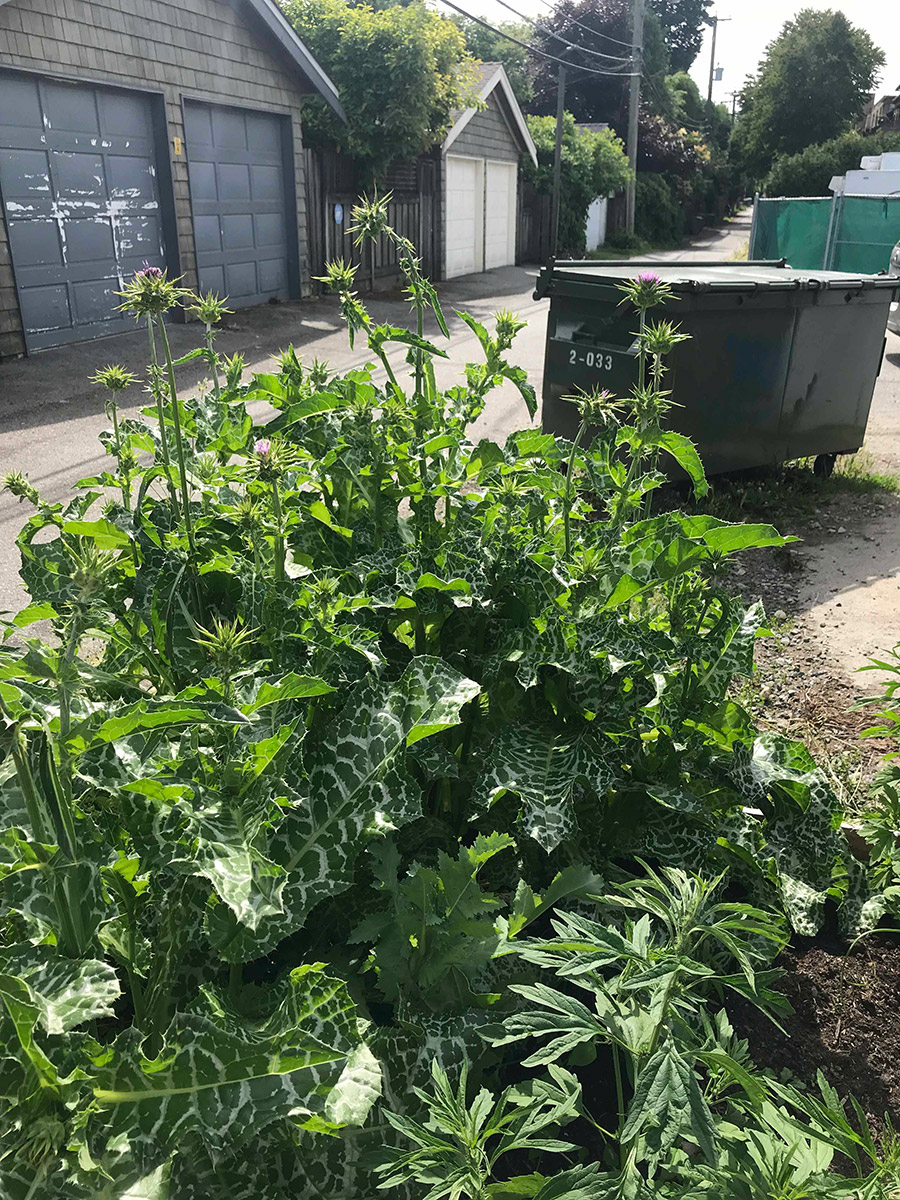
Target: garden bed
[{"x": 845, "y": 1020}]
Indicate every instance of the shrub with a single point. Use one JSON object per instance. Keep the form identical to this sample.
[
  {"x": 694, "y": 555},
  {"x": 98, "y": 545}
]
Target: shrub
[
  {"x": 339, "y": 711},
  {"x": 810, "y": 172},
  {"x": 658, "y": 216},
  {"x": 593, "y": 164}
]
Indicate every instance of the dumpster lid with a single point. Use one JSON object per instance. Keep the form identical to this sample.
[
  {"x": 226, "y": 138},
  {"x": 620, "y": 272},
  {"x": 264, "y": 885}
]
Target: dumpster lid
[{"x": 708, "y": 276}]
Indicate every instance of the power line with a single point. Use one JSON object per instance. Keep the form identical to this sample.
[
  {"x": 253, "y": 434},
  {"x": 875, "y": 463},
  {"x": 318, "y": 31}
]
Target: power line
[
  {"x": 547, "y": 31},
  {"x": 595, "y": 32},
  {"x": 533, "y": 49}
]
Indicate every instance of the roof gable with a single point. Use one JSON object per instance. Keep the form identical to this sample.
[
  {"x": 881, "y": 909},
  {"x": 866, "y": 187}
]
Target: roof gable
[
  {"x": 494, "y": 78},
  {"x": 277, "y": 24}
]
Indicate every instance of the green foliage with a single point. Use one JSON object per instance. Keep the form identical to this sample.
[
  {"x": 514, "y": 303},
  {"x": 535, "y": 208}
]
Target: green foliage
[
  {"x": 658, "y": 217},
  {"x": 591, "y": 24},
  {"x": 400, "y": 72},
  {"x": 689, "y": 107},
  {"x": 593, "y": 164},
  {"x": 810, "y": 172},
  {"x": 336, "y": 784},
  {"x": 683, "y": 23},
  {"x": 838, "y": 64},
  {"x": 482, "y": 43}
]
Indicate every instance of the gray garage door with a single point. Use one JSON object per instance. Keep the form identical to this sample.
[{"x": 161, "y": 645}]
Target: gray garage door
[
  {"x": 78, "y": 184},
  {"x": 239, "y": 200}
]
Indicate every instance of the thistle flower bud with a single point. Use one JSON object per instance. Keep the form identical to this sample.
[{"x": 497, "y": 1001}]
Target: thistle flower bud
[
  {"x": 507, "y": 325},
  {"x": 599, "y": 407},
  {"x": 114, "y": 378},
  {"x": 646, "y": 290},
  {"x": 272, "y": 458},
  {"x": 225, "y": 643},
  {"x": 20, "y": 487},
  {"x": 91, "y": 570},
  {"x": 370, "y": 218},
  {"x": 150, "y": 291},
  {"x": 339, "y": 275},
  {"x": 209, "y": 308}
]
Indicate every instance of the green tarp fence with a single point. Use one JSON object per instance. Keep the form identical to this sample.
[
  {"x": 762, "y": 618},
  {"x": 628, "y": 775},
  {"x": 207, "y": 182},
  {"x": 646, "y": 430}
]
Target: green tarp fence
[
  {"x": 795, "y": 229},
  {"x": 835, "y": 233}
]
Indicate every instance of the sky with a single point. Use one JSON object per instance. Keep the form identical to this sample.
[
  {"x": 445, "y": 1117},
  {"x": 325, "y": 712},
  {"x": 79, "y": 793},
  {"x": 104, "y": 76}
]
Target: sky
[{"x": 754, "y": 23}]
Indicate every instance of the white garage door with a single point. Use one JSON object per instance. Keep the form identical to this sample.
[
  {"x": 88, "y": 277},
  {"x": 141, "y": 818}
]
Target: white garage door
[
  {"x": 500, "y": 215},
  {"x": 465, "y": 215}
]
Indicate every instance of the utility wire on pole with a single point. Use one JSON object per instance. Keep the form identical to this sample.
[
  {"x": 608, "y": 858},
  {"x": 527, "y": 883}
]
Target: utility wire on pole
[
  {"x": 634, "y": 105},
  {"x": 532, "y": 49},
  {"x": 557, "y": 162},
  {"x": 714, "y": 21},
  {"x": 548, "y": 32},
  {"x": 587, "y": 28}
]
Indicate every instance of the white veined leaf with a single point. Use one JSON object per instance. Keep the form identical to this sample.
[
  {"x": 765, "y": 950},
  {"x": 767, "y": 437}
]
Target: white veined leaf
[
  {"x": 358, "y": 786},
  {"x": 543, "y": 766},
  {"x": 226, "y": 1085},
  {"x": 66, "y": 992}
]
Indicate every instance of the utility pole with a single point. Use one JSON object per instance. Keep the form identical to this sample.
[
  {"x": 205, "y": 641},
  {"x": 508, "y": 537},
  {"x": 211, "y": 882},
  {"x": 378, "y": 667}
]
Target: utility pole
[
  {"x": 734, "y": 96},
  {"x": 634, "y": 106},
  {"x": 557, "y": 161},
  {"x": 714, "y": 21}
]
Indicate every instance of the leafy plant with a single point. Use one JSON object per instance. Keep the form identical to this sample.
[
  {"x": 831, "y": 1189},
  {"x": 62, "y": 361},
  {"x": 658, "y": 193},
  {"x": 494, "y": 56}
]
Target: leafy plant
[{"x": 340, "y": 712}]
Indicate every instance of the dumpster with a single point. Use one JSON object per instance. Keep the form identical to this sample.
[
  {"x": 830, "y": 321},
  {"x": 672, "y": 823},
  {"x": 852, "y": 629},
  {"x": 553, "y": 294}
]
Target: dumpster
[{"x": 780, "y": 364}]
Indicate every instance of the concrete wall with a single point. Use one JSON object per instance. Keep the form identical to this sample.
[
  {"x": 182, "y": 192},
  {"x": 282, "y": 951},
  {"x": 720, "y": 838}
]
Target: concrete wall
[{"x": 200, "y": 49}]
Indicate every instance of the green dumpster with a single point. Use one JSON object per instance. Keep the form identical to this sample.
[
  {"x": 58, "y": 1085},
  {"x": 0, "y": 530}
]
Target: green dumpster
[{"x": 780, "y": 364}]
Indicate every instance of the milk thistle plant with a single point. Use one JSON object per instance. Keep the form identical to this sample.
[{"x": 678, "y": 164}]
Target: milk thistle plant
[{"x": 376, "y": 820}]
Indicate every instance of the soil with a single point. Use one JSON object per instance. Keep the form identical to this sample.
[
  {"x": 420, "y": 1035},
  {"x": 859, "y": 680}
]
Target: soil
[
  {"x": 827, "y": 623},
  {"x": 846, "y": 1021}
]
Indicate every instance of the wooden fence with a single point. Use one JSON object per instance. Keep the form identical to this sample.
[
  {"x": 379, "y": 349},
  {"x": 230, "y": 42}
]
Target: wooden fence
[{"x": 334, "y": 186}]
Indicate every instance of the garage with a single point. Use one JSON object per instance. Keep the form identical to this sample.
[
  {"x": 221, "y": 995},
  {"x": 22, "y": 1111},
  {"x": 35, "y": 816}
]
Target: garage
[
  {"x": 481, "y": 156},
  {"x": 465, "y": 215},
  {"x": 79, "y": 187},
  {"x": 240, "y": 200}
]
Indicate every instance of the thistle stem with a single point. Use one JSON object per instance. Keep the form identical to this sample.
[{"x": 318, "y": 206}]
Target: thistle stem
[
  {"x": 161, "y": 414},
  {"x": 570, "y": 471},
  {"x": 279, "y": 533},
  {"x": 179, "y": 440}
]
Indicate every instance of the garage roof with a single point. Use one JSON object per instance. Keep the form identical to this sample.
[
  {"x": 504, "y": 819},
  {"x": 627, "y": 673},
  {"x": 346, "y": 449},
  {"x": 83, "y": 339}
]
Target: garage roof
[{"x": 493, "y": 76}]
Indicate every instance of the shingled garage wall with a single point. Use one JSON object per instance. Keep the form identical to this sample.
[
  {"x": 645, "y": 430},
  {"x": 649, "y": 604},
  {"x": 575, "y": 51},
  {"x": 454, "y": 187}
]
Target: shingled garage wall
[{"x": 211, "y": 50}]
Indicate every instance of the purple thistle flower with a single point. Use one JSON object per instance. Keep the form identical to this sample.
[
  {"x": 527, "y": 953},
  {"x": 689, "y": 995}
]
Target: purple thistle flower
[
  {"x": 148, "y": 272},
  {"x": 648, "y": 277},
  {"x": 263, "y": 446}
]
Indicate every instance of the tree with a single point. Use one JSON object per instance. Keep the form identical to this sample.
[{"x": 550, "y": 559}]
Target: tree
[
  {"x": 488, "y": 46},
  {"x": 400, "y": 72},
  {"x": 813, "y": 82},
  {"x": 688, "y": 105},
  {"x": 682, "y": 24},
  {"x": 592, "y": 97},
  {"x": 593, "y": 164}
]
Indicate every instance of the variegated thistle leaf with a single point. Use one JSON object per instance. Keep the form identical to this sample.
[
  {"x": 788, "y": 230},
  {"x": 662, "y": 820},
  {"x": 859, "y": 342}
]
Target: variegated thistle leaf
[
  {"x": 175, "y": 827},
  {"x": 65, "y": 992},
  {"x": 225, "y": 1085},
  {"x": 358, "y": 786},
  {"x": 542, "y": 766}
]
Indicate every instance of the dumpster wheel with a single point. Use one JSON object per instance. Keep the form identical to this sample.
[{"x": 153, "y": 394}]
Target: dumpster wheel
[{"x": 823, "y": 466}]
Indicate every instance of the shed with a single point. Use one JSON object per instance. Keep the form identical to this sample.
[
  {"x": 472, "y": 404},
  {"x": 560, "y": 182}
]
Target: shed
[
  {"x": 159, "y": 131},
  {"x": 480, "y": 160}
]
